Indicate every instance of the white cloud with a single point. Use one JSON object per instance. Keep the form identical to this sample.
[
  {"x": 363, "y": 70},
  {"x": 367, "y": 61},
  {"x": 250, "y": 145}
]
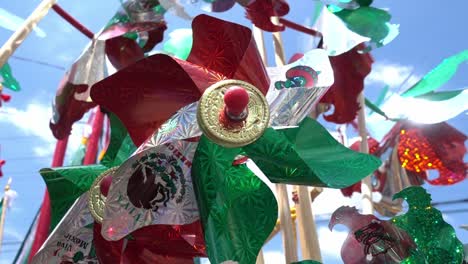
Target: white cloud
[
  {"x": 34, "y": 121},
  {"x": 13, "y": 22},
  {"x": 392, "y": 74}
]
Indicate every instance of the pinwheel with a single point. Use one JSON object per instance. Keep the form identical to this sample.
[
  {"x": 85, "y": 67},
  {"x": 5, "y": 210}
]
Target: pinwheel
[
  {"x": 4, "y": 98},
  {"x": 435, "y": 239},
  {"x": 414, "y": 150},
  {"x": 433, "y": 147},
  {"x": 367, "y": 21},
  {"x": 7, "y": 79},
  {"x": 155, "y": 186},
  {"x": 72, "y": 99},
  {"x": 371, "y": 240}
]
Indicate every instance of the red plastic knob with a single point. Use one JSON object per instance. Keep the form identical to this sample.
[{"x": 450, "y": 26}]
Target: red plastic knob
[
  {"x": 105, "y": 184},
  {"x": 236, "y": 100}
]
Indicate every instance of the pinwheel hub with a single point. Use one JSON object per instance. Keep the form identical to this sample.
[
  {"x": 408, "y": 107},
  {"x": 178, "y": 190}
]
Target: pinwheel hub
[
  {"x": 97, "y": 196},
  {"x": 233, "y": 113},
  {"x": 236, "y": 100}
]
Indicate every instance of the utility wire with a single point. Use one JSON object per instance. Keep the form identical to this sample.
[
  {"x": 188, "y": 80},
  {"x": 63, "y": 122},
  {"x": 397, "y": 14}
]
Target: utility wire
[{"x": 39, "y": 62}]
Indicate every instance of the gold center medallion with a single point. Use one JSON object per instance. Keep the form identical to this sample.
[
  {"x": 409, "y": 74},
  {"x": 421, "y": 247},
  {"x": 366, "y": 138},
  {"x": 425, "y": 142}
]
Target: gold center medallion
[
  {"x": 212, "y": 103},
  {"x": 97, "y": 201}
]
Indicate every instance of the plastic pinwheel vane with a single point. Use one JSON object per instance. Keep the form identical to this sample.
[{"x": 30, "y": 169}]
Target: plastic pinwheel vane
[
  {"x": 123, "y": 41},
  {"x": 211, "y": 113}
]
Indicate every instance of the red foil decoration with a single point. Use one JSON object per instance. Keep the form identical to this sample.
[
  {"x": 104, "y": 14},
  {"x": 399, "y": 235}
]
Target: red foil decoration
[
  {"x": 433, "y": 147},
  {"x": 261, "y": 11},
  {"x": 158, "y": 244},
  {"x": 349, "y": 69},
  {"x": 2, "y": 163},
  {"x": 371, "y": 240},
  {"x": 145, "y": 94},
  {"x": 121, "y": 52}
]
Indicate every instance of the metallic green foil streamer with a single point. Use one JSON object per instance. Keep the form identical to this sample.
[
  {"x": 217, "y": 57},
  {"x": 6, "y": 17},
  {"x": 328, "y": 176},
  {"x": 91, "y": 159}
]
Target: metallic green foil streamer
[
  {"x": 436, "y": 240},
  {"x": 438, "y": 76},
  {"x": 238, "y": 211},
  {"x": 7, "y": 79},
  {"x": 370, "y": 22},
  {"x": 309, "y": 155},
  {"x": 440, "y": 96},
  {"x": 66, "y": 184}
]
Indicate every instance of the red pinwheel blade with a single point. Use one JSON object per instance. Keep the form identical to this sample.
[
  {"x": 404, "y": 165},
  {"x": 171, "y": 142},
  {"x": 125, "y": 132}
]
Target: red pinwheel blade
[
  {"x": 228, "y": 49},
  {"x": 145, "y": 94},
  {"x": 153, "y": 244}
]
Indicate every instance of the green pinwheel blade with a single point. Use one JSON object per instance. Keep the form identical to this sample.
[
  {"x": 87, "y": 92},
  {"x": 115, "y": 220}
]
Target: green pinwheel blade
[
  {"x": 238, "y": 211},
  {"x": 435, "y": 239},
  {"x": 7, "y": 79},
  {"x": 66, "y": 184},
  {"x": 121, "y": 146},
  {"x": 309, "y": 155},
  {"x": 438, "y": 76}
]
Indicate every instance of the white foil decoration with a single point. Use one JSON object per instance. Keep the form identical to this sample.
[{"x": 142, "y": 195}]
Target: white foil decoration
[
  {"x": 72, "y": 238},
  {"x": 289, "y": 106}
]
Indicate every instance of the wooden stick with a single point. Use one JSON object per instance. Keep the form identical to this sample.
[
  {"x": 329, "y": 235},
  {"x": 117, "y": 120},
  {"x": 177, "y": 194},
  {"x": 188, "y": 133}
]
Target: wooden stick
[
  {"x": 308, "y": 236},
  {"x": 259, "y": 40},
  {"x": 287, "y": 225},
  {"x": 307, "y": 229},
  {"x": 20, "y": 35},
  {"x": 3, "y": 214},
  {"x": 260, "y": 258},
  {"x": 366, "y": 184}
]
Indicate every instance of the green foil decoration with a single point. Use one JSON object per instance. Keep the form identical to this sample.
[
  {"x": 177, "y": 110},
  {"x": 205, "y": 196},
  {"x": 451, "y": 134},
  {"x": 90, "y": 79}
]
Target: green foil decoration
[
  {"x": 238, "y": 211},
  {"x": 7, "y": 80},
  {"x": 307, "y": 262},
  {"x": 66, "y": 184},
  {"x": 179, "y": 43},
  {"x": 369, "y": 22},
  {"x": 309, "y": 155},
  {"x": 440, "y": 96},
  {"x": 436, "y": 239},
  {"x": 438, "y": 76}
]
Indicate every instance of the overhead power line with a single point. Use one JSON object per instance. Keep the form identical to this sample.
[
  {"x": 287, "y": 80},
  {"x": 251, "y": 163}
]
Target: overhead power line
[{"x": 50, "y": 65}]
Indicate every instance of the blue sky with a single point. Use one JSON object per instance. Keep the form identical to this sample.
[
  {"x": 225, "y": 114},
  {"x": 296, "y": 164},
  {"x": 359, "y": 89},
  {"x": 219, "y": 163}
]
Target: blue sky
[{"x": 429, "y": 32}]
